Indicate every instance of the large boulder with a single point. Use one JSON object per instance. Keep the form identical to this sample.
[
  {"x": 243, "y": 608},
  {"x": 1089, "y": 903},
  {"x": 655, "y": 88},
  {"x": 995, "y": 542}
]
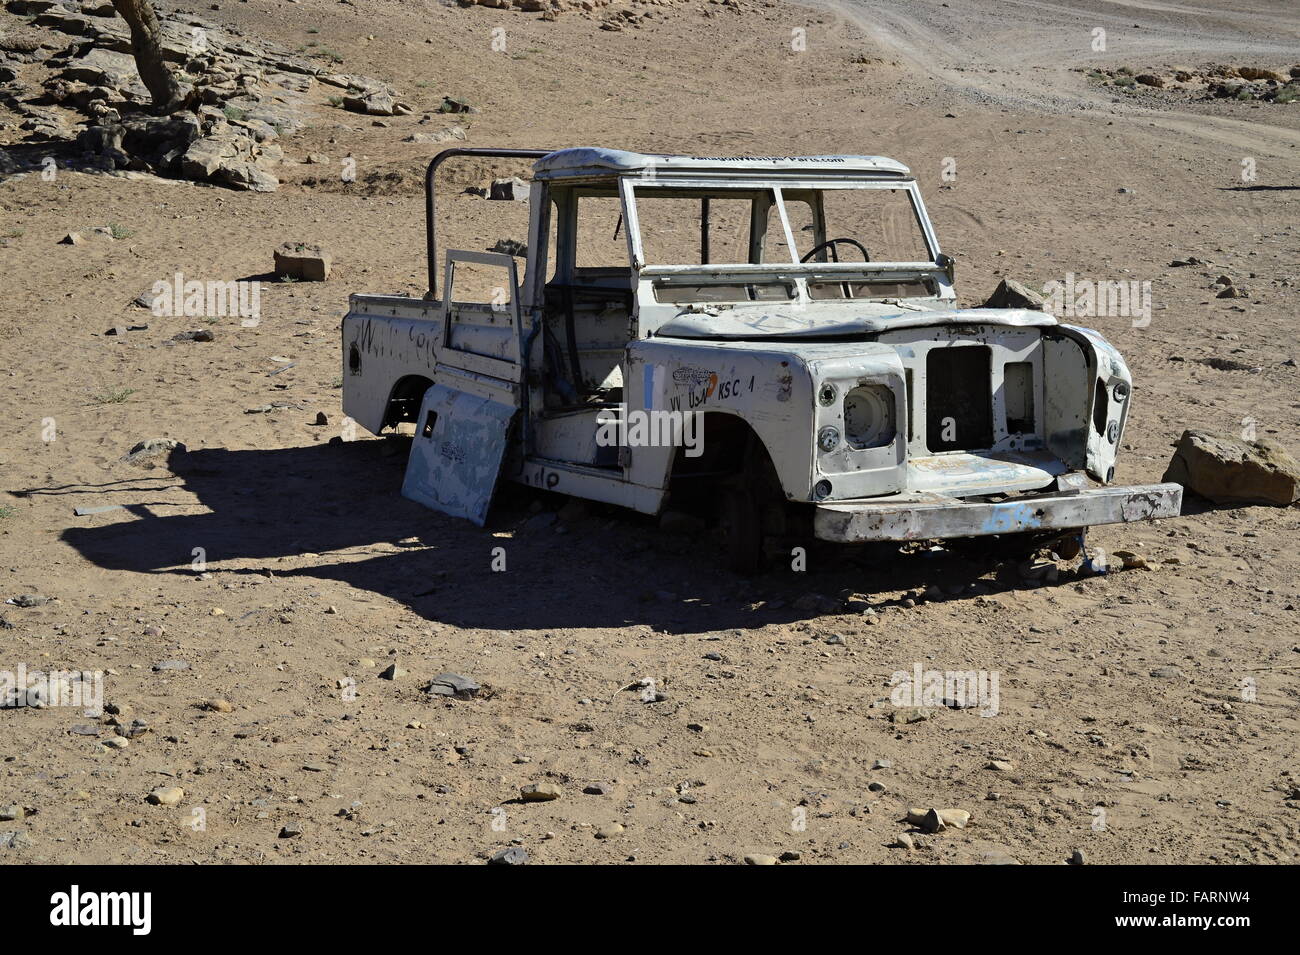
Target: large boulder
[
  {"x": 205, "y": 156},
  {"x": 1231, "y": 471},
  {"x": 103, "y": 68}
]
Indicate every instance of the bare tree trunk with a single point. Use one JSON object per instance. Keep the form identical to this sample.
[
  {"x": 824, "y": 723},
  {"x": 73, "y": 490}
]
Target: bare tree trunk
[{"x": 146, "y": 44}]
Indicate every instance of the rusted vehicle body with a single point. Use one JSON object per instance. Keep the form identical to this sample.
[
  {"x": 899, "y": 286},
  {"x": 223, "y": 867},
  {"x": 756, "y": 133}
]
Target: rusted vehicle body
[{"x": 777, "y": 337}]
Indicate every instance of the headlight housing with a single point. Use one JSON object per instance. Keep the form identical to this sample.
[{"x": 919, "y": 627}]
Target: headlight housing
[{"x": 869, "y": 417}]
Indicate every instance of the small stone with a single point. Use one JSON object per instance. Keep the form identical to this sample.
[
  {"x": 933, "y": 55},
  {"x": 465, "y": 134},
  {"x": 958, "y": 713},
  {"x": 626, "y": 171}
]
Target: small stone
[
  {"x": 291, "y": 830},
  {"x": 117, "y": 742},
  {"x": 755, "y": 858},
  {"x": 1077, "y": 857},
  {"x": 882, "y": 764},
  {"x": 163, "y": 665},
  {"x": 12, "y": 813},
  {"x": 167, "y": 796},
  {"x": 72, "y": 238},
  {"x": 219, "y": 706},
  {"x": 453, "y": 684},
  {"x": 540, "y": 792},
  {"x": 1000, "y": 765},
  {"x": 515, "y": 855},
  {"x": 1167, "y": 673},
  {"x": 595, "y": 789},
  {"x": 791, "y": 856},
  {"x": 610, "y": 831},
  {"x": 392, "y": 672},
  {"x": 876, "y": 787},
  {"x": 903, "y": 840}
]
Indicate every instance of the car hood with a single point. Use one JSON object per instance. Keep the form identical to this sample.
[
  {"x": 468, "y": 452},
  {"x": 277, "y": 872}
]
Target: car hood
[{"x": 822, "y": 320}]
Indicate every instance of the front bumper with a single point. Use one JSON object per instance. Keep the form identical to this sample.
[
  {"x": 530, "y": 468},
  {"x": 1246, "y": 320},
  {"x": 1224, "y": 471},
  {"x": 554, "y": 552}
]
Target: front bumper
[{"x": 919, "y": 516}]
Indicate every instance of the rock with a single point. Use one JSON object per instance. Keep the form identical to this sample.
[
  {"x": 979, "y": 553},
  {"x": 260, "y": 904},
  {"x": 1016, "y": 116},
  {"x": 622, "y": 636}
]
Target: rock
[
  {"x": 374, "y": 102},
  {"x": 448, "y": 134},
  {"x": 515, "y": 855},
  {"x": 12, "y": 813},
  {"x": 927, "y": 820},
  {"x": 204, "y": 157},
  {"x": 1233, "y": 471},
  {"x": 1077, "y": 857},
  {"x": 317, "y": 159},
  {"x": 392, "y": 672},
  {"x": 790, "y": 856},
  {"x": 1000, "y": 765},
  {"x": 903, "y": 840},
  {"x": 520, "y": 250},
  {"x": 876, "y": 787},
  {"x": 245, "y": 175},
  {"x": 299, "y": 260},
  {"x": 513, "y": 189},
  {"x": 1256, "y": 73},
  {"x": 29, "y": 600},
  {"x": 322, "y": 419},
  {"x": 1013, "y": 294},
  {"x": 219, "y": 706},
  {"x": 540, "y": 792},
  {"x": 195, "y": 335},
  {"x": 167, "y": 796},
  {"x": 453, "y": 104},
  {"x": 882, "y": 764},
  {"x": 72, "y": 238},
  {"x": 610, "y": 831},
  {"x": 1167, "y": 673},
  {"x": 755, "y": 858},
  {"x": 170, "y": 665},
  {"x": 1150, "y": 79},
  {"x": 453, "y": 684},
  {"x": 1132, "y": 561},
  {"x": 102, "y": 67},
  {"x": 15, "y": 840},
  {"x": 291, "y": 830},
  {"x": 595, "y": 789}
]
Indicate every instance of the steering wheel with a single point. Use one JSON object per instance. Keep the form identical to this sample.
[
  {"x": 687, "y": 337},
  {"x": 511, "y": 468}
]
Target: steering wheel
[{"x": 835, "y": 256}]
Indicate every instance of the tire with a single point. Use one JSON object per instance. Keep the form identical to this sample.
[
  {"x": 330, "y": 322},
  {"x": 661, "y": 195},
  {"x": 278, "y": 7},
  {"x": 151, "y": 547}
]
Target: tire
[{"x": 742, "y": 531}]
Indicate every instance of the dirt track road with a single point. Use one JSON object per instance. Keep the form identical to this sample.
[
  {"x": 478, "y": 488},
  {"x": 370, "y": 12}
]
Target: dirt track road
[{"x": 1020, "y": 54}]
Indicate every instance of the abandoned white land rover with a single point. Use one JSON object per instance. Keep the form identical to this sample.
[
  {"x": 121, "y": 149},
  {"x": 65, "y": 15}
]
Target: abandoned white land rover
[{"x": 774, "y": 338}]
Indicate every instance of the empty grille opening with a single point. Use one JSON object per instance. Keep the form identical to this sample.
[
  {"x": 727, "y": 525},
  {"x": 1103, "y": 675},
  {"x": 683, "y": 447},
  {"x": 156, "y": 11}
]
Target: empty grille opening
[
  {"x": 959, "y": 405},
  {"x": 1018, "y": 394}
]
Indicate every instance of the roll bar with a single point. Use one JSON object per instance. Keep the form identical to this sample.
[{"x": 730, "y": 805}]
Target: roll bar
[{"x": 431, "y": 248}]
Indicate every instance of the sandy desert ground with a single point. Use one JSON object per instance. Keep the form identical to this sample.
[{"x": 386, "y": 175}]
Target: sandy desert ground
[{"x": 1146, "y": 716}]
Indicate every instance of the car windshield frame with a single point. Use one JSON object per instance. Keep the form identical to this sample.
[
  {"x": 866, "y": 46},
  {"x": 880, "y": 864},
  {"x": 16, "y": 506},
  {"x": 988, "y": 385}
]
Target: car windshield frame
[{"x": 714, "y": 188}]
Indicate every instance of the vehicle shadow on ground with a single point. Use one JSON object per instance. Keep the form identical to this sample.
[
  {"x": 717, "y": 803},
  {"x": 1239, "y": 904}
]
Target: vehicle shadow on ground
[{"x": 338, "y": 508}]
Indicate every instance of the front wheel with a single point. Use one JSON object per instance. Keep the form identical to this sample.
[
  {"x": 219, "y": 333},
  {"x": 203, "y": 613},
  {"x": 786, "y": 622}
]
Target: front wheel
[{"x": 742, "y": 530}]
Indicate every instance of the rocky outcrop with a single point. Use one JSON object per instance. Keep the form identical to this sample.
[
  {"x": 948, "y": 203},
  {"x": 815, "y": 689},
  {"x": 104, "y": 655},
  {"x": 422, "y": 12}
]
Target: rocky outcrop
[{"x": 241, "y": 95}]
